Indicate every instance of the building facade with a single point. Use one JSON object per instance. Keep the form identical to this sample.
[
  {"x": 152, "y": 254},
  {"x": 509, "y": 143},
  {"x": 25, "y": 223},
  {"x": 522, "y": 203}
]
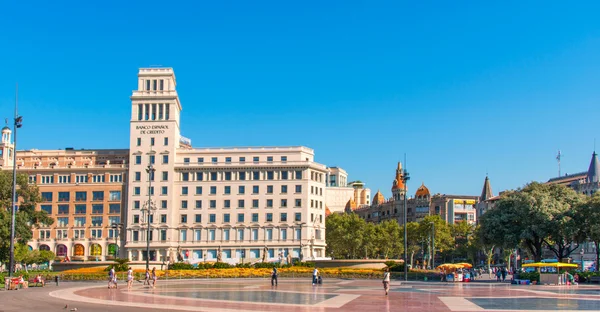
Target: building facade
[
  {"x": 233, "y": 204},
  {"x": 339, "y": 191},
  {"x": 83, "y": 191}
]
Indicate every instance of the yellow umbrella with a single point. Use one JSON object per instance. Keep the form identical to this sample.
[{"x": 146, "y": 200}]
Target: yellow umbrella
[
  {"x": 550, "y": 265},
  {"x": 465, "y": 265}
]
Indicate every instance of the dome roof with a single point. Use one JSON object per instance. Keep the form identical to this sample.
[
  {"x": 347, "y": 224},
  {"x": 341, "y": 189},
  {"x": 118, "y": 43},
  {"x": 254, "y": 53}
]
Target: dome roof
[
  {"x": 422, "y": 191},
  {"x": 378, "y": 198},
  {"x": 327, "y": 212},
  {"x": 5, "y": 128}
]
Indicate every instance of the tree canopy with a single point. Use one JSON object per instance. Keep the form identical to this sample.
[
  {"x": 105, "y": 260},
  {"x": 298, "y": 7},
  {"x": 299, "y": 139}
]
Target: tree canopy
[{"x": 26, "y": 218}]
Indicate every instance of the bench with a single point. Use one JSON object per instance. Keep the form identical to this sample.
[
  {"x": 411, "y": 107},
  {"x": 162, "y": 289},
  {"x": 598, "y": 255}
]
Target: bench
[{"x": 594, "y": 279}]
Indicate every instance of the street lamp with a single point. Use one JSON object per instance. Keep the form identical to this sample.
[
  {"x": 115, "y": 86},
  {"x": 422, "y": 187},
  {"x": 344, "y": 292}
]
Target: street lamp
[
  {"x": 116, "y": 227},
  {"x": 17, "y": 125},
  {"x": 581, "y": 253},
  {"x": 432, "y": 245},
  {"x": 300, "y": 240},
  {"x": 149, "y": 209},
  {"x": 405, "y": 178}
]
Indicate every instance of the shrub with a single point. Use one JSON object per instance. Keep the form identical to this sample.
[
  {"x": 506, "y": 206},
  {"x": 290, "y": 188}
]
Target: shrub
[
  {"x": 120, "y": 265},
  {"x": 304, "y": 264},
  {"x": 390, "y": 264},
  {"x": 532, "y": 276},
  {"x": 243, "y": 265},
  {"x": 181, "y": 266},
  {"x": 266, "y": 265},
  {"x": 222, "y": 265}
]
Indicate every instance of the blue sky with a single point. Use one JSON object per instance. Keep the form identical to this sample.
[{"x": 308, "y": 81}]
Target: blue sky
[{"x": 463, "y": 88}]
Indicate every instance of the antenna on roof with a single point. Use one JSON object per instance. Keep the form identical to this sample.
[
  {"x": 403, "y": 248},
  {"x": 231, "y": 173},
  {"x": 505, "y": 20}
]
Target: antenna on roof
[{"x": 558, "y": 156}]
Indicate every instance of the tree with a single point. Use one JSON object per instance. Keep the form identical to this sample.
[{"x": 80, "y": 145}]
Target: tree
[
  {"x": 26, "y": 218},
  {"x": 442, "y": 234},
  {"x": 462, "y": 232},
  {"x": 482, "y": 243},
  {"x": 537, "y": 215},
  {"x": 590, "y": 214},
  {"x": 414, "y": 239}
]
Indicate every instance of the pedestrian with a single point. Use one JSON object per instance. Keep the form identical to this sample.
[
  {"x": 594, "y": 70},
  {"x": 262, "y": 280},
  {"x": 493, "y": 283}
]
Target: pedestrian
[
  {"x": 111, "y": 277},
  {"x": 274, "y": 277},
  {"x": 315, "y": 275},
  {"x": 129, "y": 278},
  {"x": 503, "y": 272},
  {"x": 115, "y": 279},
  {"x": 154, "y": 277},
  {"x": 147, "y": 278},
  {"x": 386, "y": 281}
]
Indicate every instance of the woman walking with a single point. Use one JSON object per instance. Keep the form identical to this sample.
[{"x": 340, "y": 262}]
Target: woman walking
[
  {"x": 154, "y": 277},
  {"x": 147, "y": 278},
  {"x": 129, "y": 278},
  {"x": 386, "y": 281}
]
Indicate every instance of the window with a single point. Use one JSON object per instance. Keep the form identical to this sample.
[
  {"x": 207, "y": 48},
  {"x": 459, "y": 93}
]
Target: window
[
  {"x": 163, "y": 204},
  {"x": 183, "y": 218},
  {"x": 214, "y": 160},
  {"x": 298, "y": 233},
  {"x": 212, "y": 218},
  {"x": 240, "y": 217},
  {"x": 80, "y": 221},
  {"x": 47, "y": 208},
  {"x": 226, "y": 218},
  {"x": 283, "y": 217},
  {"x": 183, "y": 235},
  {"x": 283, "y": 158},
  {"x": 200, "y": 160},
  {"x": 165, "y": 175},
  {"x": 186, "y": 160},
  {"x": 63, "y": 196},
  {"x": 63, "y": 209},
  {"x": 81, "y": 178},
  {"x": 185, "y": 176},
  {"x": 64, "y": 179},
  {"x": 242, "y": 160},
  {"x": 255, "y": 203},
  {"x": 96, "y": 221},
  {"x": 298, "y": 175},
  {"x": 198, "y": 218},
  {"x": 240, "y": 203},
  {"x": 255, "y": 175},
  {"x": 270, "y": 175},
  {"x": 136, "y": 236},
  {"x": 284, "y": 203},
  {"x": 184, "y": 204},
  {"x": 152, "y": 159},
  {"x": 96, "y": 233},
  {"x": 226, "y": 234},
  {"x": 228, "y": 176},
  {"x": 255, "y": 189},
  {"x": 255, "y": 236},
  {"x": 166, "y": 141},
  {"x": 99, "y": 195},
  {"x": 80, "y": 209},
  {"x": 227, "y": 203},
  {"x": 240, "y": 235},
  {"x": 255, "y": 217},
  {"x": 213, "y": 190},
  {"x": 137, "y": 176},
  {"x": 269, "y": 189},
  {"x": 114, "y": 220},
  {"x": 199, "y": 176},
  {"x": 270, "y": 159},
  {"x": 198, "y": 237},
  {"x": 198, "y": 204},
  {"x": 211, "y": 234},
  {"x": 139, "y": 141},
  {"x": 184, "y": 190},
  {"x": 138, "y": 159},
  {"x": 213, "y": 176},
  {"x": 114, "y": 195},
  {"x": 97, "y": 208},
  {"x": 151, "y": 141},
  {"x": 165, "y": 159},
  {"x": 227, "y": 190},
  {"x": 283, "y": 234},
  {"x": 80, "y": 196},
  {"x": 213, "y": 204},
  {"x": 241, "y": 189},
  {"x": 298, "y": 189},
  {"x": 255, "y": 159},
  {"x": 47, "y": 196},
  {"x": 242, "y": 176},
  {"x": 47, "y": 179},
  {"x": 163, "y": 235},
  {"x": 269, "y": 203},
  {"x": 269, "y": 234},
  {"x": 62, "y": 222},
  {"x": 269, "y": 217},
  {"x": 298, "y": 217},
  {"x": 198, "y": 190},
  {"x": 284, "y": 189},
  {"x": 163, "y": 190},
  {"x": 284, "y": 175},
  {"x": 227, "y": 160}
]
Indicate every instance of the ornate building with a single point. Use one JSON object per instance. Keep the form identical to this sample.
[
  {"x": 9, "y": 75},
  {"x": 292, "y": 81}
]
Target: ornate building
[{"x": 587, "y": 182}]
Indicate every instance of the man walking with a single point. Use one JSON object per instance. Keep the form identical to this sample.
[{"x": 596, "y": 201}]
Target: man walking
[{"x": 274, "y": 277}]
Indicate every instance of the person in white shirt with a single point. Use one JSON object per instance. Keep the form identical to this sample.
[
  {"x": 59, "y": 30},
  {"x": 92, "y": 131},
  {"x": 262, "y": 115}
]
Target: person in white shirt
[
  {"x": 386, "y": 281},
  {"x": 129, "y": 278},
  {"x": 315, "y": 275}
]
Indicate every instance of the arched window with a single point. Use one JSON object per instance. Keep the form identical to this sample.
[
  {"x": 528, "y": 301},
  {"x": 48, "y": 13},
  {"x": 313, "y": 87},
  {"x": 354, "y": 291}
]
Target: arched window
[
  {"x": 112, "y": 249},
  {"x": 79, "y": 250},
  {"x": 96, "y": 250},
  {"x": 44, "y": 247},
  {"x": 61, "y": 250}
]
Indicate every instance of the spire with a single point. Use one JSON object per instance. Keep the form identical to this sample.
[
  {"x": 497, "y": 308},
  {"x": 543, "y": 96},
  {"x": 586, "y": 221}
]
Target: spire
[
  {"x": 593, "y": 174},
  {"x": 398, "y": 182},
  {"x": 486, "y": 193}
]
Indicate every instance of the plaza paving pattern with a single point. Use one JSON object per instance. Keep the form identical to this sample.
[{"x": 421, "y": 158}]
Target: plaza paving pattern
[{"x": 241, "y": 295}]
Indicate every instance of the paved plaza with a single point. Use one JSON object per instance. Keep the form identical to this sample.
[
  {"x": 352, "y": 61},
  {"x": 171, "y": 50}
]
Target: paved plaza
[{"x": 241, "y": 295}]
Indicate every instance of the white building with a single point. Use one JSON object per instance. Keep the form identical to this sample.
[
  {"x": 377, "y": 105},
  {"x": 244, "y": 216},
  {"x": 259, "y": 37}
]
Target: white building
[
  {"x": 242, "y": 204},
  {"x": 339, "y": 192}
]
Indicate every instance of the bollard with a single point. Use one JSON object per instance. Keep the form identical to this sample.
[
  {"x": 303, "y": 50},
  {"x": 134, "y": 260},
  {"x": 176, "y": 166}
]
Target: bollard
[{"x": 56, "y": 278}]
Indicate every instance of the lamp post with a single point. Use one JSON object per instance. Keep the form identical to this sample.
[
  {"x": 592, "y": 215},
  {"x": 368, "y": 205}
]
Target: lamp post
[
  {"x": 581, "y": 253},
  {"x": 149, "y": 210},
  {"x": 116, "y": 227},
  {"x": 18, "y": 123},
  {"x": 300, "y": 255},
  {"x": 432, "y": 245},
  {"x": 405, "y": 178}
]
